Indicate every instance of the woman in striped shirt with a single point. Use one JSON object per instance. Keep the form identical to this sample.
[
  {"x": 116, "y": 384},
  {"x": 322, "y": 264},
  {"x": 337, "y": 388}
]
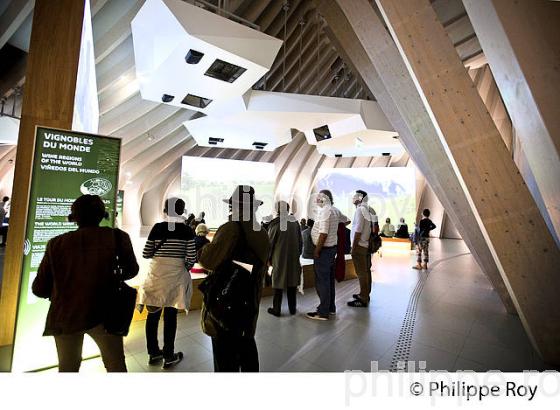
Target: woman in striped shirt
[{"x": 168, "y": 285}]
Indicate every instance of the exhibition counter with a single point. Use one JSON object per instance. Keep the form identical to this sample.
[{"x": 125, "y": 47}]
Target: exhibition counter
[{"x": 308, "y": 282}]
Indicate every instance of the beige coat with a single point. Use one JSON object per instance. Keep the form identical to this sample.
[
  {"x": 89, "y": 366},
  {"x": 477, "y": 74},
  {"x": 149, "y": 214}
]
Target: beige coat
[{"x": 168, "y": 284}]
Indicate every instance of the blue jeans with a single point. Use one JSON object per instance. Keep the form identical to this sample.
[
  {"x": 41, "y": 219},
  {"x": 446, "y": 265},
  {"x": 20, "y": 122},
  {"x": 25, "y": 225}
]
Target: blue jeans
[{"x": 324, "y": 268}]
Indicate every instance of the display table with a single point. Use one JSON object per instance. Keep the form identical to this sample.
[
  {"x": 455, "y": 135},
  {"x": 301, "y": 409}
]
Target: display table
[
  {"x": 308, "y": 282},
  {"x": 396, "y": 244}
]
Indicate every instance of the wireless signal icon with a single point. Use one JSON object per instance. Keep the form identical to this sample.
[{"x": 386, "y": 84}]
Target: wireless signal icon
[{"x": 26, "y": 247}]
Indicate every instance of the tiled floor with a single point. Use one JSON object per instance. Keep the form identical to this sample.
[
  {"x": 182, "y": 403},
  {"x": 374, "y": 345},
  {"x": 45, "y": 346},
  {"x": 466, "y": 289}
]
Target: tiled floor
[{"x": 460, "y": 325}]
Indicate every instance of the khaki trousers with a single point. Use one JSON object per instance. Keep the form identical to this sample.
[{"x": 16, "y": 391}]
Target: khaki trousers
[
  {"x": 362, "y": 264},
  {"x": 69, "y": 348}
]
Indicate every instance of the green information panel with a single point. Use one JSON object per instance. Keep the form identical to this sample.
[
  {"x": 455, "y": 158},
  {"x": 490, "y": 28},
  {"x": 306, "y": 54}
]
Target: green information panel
[{"x": 66, "y": 165}]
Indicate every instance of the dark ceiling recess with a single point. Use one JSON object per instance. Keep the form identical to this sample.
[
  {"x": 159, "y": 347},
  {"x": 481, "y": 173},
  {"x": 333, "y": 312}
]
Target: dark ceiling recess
[
  {"x": 196, "y": 101},
  {"x": 215, "y": 141},
  {"x": 222, "y": 70},
  {"x": 338, "y": 155},
  {"x": 322, "y": 133},
  {"x": 8, "y": 56},
  {"x": 167, "y": 98},
  {"x": 260, "y": 145},
  {"x": 386, "y": 154},
  {"x": 193, "y": 57}
]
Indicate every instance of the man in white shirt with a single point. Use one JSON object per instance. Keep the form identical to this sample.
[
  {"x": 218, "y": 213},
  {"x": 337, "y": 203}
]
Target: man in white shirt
[
  {"x": 364, "y": 221},
  {"x": 324, "y": 237}
]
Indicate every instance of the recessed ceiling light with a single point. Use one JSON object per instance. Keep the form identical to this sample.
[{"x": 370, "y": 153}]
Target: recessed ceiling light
[
  {"x": 196, "y": 101},
  {"x": 222, "y": 70},
  {"x": 322, "y": 133}
]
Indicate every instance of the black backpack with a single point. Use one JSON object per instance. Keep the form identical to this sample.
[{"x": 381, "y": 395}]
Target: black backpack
[
  {"x": 230, "y": 299},
  {"x": 374, "y": 243}
]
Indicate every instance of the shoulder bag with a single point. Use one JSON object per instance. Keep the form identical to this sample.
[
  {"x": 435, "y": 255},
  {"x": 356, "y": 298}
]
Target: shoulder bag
[
  {"x": 229, "y": 298},
  {"x": 121, "y": 298},
  {"x": 374, "y": 242}
]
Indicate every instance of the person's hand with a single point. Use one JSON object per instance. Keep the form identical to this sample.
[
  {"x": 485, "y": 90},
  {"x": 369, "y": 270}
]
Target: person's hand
[{"x": 316, "y": 253}]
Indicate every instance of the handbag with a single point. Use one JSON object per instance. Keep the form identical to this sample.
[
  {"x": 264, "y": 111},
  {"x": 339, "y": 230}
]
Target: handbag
[
  {"x": 121, "y": 298},
  {"x": 374, "y": 242},
  {"x": 229, "y": 295}
]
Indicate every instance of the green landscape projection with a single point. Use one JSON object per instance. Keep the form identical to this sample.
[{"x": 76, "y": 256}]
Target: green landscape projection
[
  {"x": 391, "y": 190},
  {"x": 206, "y": 181},
  {"x": 66, "y": 165}
]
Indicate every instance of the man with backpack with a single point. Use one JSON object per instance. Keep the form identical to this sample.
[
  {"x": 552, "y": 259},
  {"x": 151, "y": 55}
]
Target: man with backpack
[
  {"x": 233, "y": 288},
  {"x": 364, "y": 225}
]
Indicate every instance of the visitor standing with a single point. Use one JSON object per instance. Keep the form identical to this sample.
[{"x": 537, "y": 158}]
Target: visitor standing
[
  {"x": 201, "y": 239},
  {"x": 241, "y": 239},
  {"x": 423, "y": 240},
  {"x": 364, "y": 224},
  {"x": 76, "y": 274},
  {"x": 286, "y": 245},
  {"x": 324, "y": 237},
  {"x": 168, "y": 285}
]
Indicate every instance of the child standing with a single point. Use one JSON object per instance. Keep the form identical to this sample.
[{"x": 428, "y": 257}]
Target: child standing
[{"x": 423, "y": 240}]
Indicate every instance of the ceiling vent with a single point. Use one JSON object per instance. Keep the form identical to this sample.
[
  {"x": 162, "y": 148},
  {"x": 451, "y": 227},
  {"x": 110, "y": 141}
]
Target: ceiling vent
[
  {"x": 386, "y": 154},
  {"x": 215, "y": 141},
  {"x": 193, "y": 57},
  {"x": 196, "y": 101},
  {"x": 260, "y": 145},
  {"x": 322, "y": 133},
  {"x": 222, "y": 70},
  {"x": 338, "y": 155}
]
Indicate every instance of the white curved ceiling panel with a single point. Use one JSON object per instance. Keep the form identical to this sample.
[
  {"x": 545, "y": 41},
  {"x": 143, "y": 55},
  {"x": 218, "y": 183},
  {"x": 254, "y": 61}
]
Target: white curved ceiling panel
[
  {"x": 191, "y": 58},
  {"x": 356, "y": 127}
]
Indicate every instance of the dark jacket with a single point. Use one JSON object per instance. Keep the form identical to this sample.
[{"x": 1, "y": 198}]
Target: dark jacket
[
  {"x": 76, "y": 273},
  {"x": 286, "y": 247},
  {"x": 308, "y": 247},
  {"x": 402, "y": 232},
  {"x": 199, "y": 242},
  {"x": 425, "y": 226},
  {"x": 228, "y": 244}
]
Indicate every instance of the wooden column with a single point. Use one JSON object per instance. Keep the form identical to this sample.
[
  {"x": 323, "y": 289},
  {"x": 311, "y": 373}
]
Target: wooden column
[
  {"x": 523, "y": 247},
  {"x": 521, "y": 41},
  {"x": 48, "y": 100},
  {"x": 361, "y": 38}
]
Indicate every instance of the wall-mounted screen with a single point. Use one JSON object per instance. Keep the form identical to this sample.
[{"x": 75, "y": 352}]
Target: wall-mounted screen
[
  {"x": 391, "y": 190},
  {"x": 206, "y": 181}
]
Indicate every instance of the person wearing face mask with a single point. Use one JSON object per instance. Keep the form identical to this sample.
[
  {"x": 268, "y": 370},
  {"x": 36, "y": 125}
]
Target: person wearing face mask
[
  {"x": 364, "y": 224},
  {"x": 324, "y": 237}
]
